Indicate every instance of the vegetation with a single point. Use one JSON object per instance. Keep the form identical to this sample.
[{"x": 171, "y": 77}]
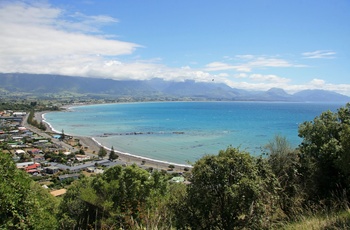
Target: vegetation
[
  {"x": 102, "y": 152},
  {"x": 112, "y": 155},
  {"x": 120, "y": 198},
  {"x": 230, "y": 190},
  {"x": 34, "y": 122},
  {"x": 325, "y": 155},
  {"x": 27, "y": 105},
  {"x": 23, "y": 203},
  {"x": 286, "y": 188}
]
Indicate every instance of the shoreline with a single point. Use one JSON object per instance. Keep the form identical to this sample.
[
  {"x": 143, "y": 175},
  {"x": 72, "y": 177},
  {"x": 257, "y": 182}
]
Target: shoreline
[{"x": 94, "y": 146}]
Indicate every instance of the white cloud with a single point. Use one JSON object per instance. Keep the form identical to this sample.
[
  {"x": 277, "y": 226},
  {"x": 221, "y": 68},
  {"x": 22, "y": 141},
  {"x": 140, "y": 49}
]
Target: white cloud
[
  {"x": 249, "y": 62},
  {"x": 320, "y": 54},
  {"x": 269, "y": 62},
  {"x": 317, "y": 82},
  {"x": 218, "y": 66},
  {"x": 240, "y": 75},
  {"x": 269, "y": 78},
  {"x": 291, "y": 88},
  {"x": 37, "y": 39}
]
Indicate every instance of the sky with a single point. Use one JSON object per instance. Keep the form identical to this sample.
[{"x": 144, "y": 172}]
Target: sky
[{"x": 247, "y": 44}]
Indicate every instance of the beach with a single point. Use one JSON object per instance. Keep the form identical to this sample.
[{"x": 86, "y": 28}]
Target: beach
[{"x": 92, "y": 147}]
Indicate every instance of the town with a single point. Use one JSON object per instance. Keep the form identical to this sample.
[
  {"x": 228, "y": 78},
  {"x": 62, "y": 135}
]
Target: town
[{"x": 54, "y": 160}]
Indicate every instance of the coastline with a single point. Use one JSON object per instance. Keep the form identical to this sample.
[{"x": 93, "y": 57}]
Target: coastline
[{"x": 91, "y": 146}]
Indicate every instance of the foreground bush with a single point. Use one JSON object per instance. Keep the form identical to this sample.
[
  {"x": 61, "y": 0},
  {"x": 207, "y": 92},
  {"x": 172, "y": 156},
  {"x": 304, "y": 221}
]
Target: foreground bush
[{"x": 231, "y": 190}]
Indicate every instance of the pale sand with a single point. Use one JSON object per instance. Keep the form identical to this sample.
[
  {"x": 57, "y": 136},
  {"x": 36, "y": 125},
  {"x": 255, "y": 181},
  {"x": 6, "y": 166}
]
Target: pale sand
[{"x": 93, "y": 147}]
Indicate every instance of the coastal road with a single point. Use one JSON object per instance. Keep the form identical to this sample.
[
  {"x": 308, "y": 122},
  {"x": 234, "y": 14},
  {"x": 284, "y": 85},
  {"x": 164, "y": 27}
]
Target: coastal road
[{"x": 46, "y": 135}]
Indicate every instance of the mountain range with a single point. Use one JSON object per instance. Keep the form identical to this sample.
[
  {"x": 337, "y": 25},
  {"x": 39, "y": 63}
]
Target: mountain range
[{"x": 44, "y": 84}]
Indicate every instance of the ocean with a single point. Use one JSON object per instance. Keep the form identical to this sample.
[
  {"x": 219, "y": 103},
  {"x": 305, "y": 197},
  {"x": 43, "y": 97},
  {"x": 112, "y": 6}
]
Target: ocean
[{"x": 183, "y": 132}]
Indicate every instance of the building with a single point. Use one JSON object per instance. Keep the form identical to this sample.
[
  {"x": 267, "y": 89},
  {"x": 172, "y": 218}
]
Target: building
[
  {"x": 51, "y": 169},
  {"x": 23, "y": 165},
  {"x": 68, "y": 176},
  {"x": 82, "y": 157}
]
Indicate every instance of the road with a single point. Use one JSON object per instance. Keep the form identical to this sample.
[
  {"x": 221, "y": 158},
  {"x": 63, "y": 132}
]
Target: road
[{"x": 48, "y": 136}]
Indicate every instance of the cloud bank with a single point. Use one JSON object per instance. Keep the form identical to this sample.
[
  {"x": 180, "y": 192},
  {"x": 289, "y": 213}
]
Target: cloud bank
[{"x": 43, "y": 39}]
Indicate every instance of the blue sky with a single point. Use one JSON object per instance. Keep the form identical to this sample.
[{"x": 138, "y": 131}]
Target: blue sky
[{"x": 251, "y": 44}]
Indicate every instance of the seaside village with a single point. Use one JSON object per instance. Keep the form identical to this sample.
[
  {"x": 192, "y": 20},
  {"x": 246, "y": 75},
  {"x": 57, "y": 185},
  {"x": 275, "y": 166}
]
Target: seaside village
[{"x": 55, "y": 160}]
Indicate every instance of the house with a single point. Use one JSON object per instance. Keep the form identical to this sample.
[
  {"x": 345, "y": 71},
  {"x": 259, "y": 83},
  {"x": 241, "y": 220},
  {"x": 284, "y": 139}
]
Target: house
[
  {"x": 20, "y": 152},
  {"x": 35, "y": 151},
  {"x": 94, "y": 170},
  {"x": 82, "y": 157},
  {"x": 57, "y": 136},
  {"x": 19, "y": 114},
  {"x": 34, "y": 168},
  {"x": 90, "y": 169},
  {"x": 68, "y": 176},
  {"x": 21, "y": 128},
  {"x": 98, "y": 171},
  {"x": 23, "y": 165},
  {"x": 38, "y": 158},
  {"x": 51, "y": 169}
]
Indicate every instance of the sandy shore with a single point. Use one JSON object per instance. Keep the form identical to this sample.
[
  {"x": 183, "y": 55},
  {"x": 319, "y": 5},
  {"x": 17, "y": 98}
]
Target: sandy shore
[{"x": 92, "y": 147}]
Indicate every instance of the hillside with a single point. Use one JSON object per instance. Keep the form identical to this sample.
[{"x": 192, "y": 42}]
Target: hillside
[{"x": 41, "y": 84}]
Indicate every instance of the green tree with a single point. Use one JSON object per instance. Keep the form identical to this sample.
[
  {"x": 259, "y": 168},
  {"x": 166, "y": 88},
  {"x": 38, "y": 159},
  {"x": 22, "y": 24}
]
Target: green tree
[
  {"x": 129, "y": 198},
  {"x": 74, "y": 212},
  {"x": 285, "y": 164},
  {"x": 230, "y": 190},
  {"x": 325, "y": 154},
  {"x": 63, "y": 136},
  {"x": 102, "y": 152},
  {"x": 112, "y": 154},
  {"x": 23, "y": 203}
]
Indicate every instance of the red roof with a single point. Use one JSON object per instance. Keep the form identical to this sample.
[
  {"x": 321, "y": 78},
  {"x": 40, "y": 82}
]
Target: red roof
[{"x": 33, "y": 166}]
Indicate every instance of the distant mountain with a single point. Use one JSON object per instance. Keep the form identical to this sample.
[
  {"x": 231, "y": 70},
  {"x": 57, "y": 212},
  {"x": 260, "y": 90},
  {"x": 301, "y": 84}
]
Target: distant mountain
[
  {"x": 41, "y": 84},
  {"x": 317, "y": 95}
]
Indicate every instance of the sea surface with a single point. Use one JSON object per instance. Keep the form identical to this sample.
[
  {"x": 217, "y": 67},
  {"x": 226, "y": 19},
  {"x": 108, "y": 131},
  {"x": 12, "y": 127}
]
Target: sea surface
[{"x": 183, "y": 132}]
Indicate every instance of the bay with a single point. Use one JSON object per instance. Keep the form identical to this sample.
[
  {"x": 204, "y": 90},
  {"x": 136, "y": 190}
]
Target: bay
[{"x": 182, "y": 132}]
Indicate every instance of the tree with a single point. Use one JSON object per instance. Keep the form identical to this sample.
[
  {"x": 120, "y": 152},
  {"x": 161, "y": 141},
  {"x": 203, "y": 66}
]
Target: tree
[
  {"x": 112, "y": 155},
  {"x": 63, "y": 136},
  {"x": 230, "y": 190},
  {"x": 23, "y": 203},
  {"x": 102, "y": 152},
  {"x": 122, "y": 197},
  {"x": 325, "y": 154},
  {"x": 285, "y": 164},
  {"x": 74, "y": 212}
]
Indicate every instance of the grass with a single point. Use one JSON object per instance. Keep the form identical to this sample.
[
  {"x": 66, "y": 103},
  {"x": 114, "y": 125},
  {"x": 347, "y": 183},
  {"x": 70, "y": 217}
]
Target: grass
[{"x": 329, "y": 221}]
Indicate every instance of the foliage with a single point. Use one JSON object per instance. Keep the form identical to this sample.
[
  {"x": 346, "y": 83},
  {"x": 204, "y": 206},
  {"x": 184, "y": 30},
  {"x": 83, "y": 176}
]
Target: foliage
[
  {"x": 59, "y": 158},
  {"x": 25, "y": 105},
  {"x": 23, "y": 203},
  {"x": 284, "y": 162},
  {"x": 325, "y": 154},
  {"x": 34, "y": 122},
  {"x": 62, "y": 136},
  {"x": 112, "y": 155},
  {"x": 102, "y": 152},
  {"x": 230, "y": 190},
  {"x": 320, "y": 221},
  {"x": 121, "y": 197}
]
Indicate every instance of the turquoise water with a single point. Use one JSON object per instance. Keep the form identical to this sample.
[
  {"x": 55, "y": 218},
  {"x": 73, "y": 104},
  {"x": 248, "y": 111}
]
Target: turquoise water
[{"x": 182, "y": 132}]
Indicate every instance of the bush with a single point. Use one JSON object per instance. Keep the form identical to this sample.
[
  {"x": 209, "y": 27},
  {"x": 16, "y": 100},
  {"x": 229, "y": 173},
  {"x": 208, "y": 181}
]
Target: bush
[{"x": 230, "y": 190}]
